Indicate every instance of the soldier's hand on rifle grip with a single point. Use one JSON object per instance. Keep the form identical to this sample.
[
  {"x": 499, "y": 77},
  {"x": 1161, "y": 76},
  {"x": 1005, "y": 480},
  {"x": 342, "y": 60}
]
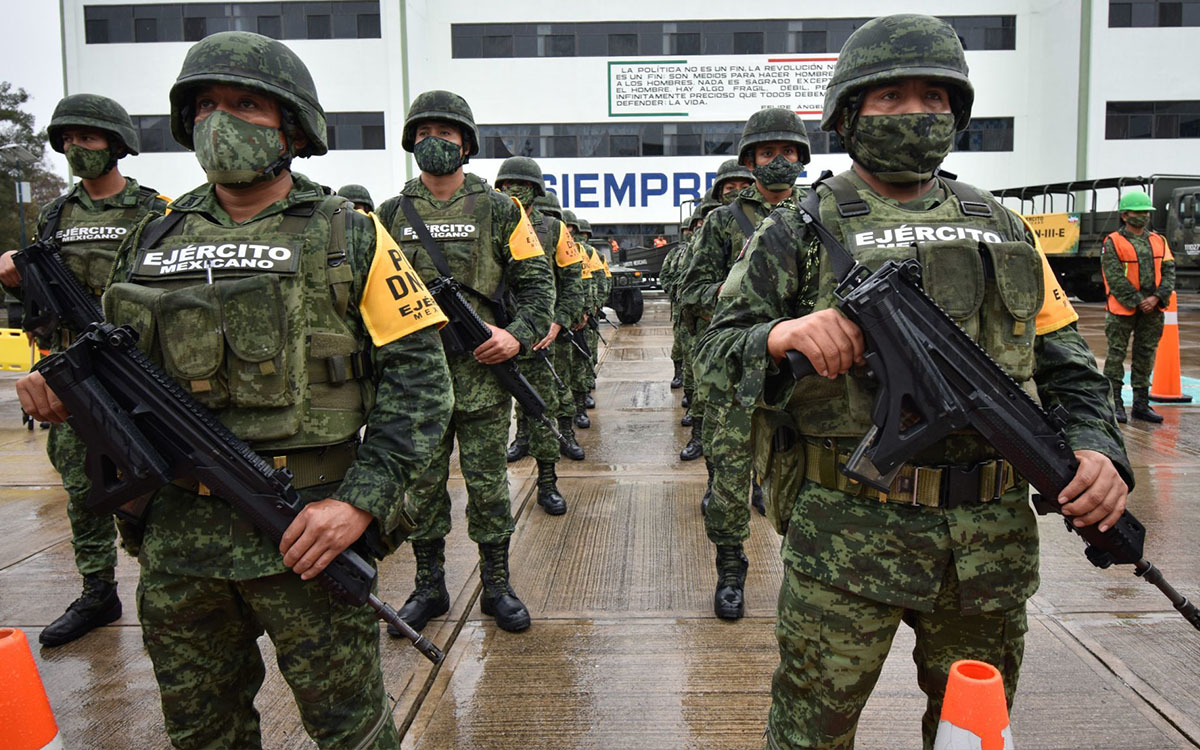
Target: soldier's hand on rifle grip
[
  {"x": 1096, "y": 493},
  {"x": 501, "y": 347},
  {"x": 555, "y": 329},
  {"x": 9, "y": 275},
  {"x": 579, "y": 326},
  {"x": 830, "y": 341},
  {"x": 38, "y": 400},
  {"x": 319, "y": 533}
]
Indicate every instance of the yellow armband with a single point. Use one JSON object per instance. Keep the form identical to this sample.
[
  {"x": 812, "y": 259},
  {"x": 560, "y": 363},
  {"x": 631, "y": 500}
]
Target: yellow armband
[{"x": 395, "y": 301}]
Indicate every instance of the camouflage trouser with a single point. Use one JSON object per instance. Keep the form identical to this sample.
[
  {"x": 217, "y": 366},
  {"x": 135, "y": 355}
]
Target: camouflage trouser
[
  {"x": 582, "y": 375},
  {"x": 482, "y": 439},
  {"x": 1147, "y": 330},
  {"x": 726, "y": 441},
  {"x": 832, "y": 645},
  {"x": 593, "y": 340},
  {"x": 564, "y": 363},
  {"x": 93, "y": 535},
  {"x": 542, "y": 444},
  {"x": 698, "y": 404},
  {"x": 201, "y": 636}
]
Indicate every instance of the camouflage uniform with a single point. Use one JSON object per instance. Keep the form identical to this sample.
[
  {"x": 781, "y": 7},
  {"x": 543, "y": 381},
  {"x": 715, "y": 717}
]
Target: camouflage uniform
[
  {"x": 358, "y": 195},
  {"x": 854, "y": 566},
  {"x": 292, "y": 369}
]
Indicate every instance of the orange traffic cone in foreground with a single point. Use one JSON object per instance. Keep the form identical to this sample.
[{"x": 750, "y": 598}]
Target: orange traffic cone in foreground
[
  {"x": 974, "y": 712},
  {"x": 1166, "y": 385},
  {"x": 26, "y": 722}
]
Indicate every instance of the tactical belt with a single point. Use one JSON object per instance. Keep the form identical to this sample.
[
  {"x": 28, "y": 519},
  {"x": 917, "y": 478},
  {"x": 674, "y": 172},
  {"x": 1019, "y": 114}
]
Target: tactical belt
[
  {"x": 309, "y": 467},
  {"x": 944, "y": 487}
]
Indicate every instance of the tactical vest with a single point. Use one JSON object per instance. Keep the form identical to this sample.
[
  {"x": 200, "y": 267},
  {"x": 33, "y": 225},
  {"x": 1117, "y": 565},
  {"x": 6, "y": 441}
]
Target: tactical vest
[
  {"x": 251, "y": 320},
  {"x": 89, "y": 239},
  {"x": 1127, "y": 254},
  {"x": 987, "y": 280}
]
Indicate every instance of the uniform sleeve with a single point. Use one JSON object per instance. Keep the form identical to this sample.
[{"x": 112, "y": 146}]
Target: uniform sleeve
[
  {"x": 707, "y": 268},
  {"x": 1167, "y": 285},
  {"x": 1066, "y": 375},
  {"x": 528, "y": 276},
  {"x": 1114, "y": 273},
  {"x": 411, "y": 411},
  {"x": 568, "y": 300}
]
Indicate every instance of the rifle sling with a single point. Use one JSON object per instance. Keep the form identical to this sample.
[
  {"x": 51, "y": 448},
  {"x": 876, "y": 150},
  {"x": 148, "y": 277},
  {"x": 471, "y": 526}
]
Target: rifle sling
[
  {"x": 739, "y": 213},
  {"x": 839, "y": 256}
]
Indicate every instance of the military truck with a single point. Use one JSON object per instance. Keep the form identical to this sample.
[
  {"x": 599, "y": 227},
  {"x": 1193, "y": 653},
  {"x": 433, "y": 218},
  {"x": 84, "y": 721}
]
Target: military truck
[
  {"x": 627, "y": 285},
  {"x": 1072, "y": 219}
]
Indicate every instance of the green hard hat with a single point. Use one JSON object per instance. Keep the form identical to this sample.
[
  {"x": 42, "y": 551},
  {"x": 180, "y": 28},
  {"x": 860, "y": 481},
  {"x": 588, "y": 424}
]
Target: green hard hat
[
  {"x": 774, "y": 124},
  {"x": 569, "y": 218},
  {"x": 585, "y": 226},
  {"x": 93, "y": 111},
  {"x": 730, "y": 169},
  {"x": 441, "y": 105},
  {"x": 524, "y": 169},
  {"x": 548, "y": 204},
  {"x": 243, "y": 58},
  {"x": 906, "y": 45},
  {"x": 357, "y": 194},
  {"x": 1135, "y": 200}
]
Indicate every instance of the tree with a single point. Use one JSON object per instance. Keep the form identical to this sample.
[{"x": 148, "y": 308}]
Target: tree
[{"x": 16, "y": 127}]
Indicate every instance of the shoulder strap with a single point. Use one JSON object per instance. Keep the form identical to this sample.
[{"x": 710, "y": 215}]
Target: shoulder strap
[
  {"x": 53, "y": 216},
  {"x": 418, "y": 226},
  {"x": 160, "y": 228},
  {"x": 146, "y": 194},
  {"x": 849, "y": 202},
  {"x": 739, "y": 213},
  {"x": 969, "y": 198},
  {"x": 839, "y": 256}
]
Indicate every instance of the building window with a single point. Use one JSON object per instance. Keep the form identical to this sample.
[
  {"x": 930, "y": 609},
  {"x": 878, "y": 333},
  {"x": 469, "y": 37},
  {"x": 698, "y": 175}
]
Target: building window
[
  {"x": 622, "y": 44},
  {"x": 154, "y": 132},
  {"x": 191, "y": 22},
  {"x": 355, "y": 131},
  {"x": 559, "y": 45},
  {"x": 1153, "y": 13},
  {"x": 986, "y": 134},
  {"x": 1167, "y": 119}
]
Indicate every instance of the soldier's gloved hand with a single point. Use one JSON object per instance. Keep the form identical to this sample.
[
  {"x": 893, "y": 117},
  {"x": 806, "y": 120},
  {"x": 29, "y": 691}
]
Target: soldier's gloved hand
[
  {"x": 501, "y": 347},
  {"x": 319, "y": 533},
  {"x": 1096, "y": 493},
  {"x": 9, "y": 275},
  {"x": 831, "y": 342},
  {"x": 555, "y": 329},
  {"x": 38, "y": 400}
]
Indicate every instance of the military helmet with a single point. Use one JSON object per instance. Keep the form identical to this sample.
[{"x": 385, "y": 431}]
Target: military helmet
[
  {"x": 907, "y": 45},
  {"x": 730, "y": 169},
  {"x": 357, "y": 194},
  {"x": 569, "y": 218},
  {"x": 524, "y": 169},
  {"x": 1135, "y": 200},
  {"x": 707, "y": 206},
  {"x": 548, "y": 204},
  {"x": 774, "y": 124},
  {"x": 441, "y": 105},
  {"x": 243, "y": 58},
  {"x": 585, "y": 226},
  {"x": 93, "y": 111}
]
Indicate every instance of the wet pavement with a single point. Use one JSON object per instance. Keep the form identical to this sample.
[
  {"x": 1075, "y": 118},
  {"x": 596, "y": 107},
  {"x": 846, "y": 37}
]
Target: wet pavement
[{"x": 624, "y": 650}]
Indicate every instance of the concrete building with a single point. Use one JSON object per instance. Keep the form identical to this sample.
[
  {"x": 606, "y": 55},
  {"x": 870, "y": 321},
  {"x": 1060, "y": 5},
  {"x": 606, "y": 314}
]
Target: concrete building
[{"x": 630, "y": 109}]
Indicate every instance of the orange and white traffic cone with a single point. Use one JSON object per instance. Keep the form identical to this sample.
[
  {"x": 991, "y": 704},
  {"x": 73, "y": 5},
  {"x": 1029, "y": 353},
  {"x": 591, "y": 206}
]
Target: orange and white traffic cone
[
  {"x": 974, "y": 712},
  {"x": 1167, "y": 386},
  {"x": 26, "y": 721}
]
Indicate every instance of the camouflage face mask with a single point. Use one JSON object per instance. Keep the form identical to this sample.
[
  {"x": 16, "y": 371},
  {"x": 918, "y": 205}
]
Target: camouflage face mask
[
  {"x": 522, "y": 192},
  {"x": 902, "y": 148},
  {"x": 1137, "y": 221},
  {"x": 778, "y": 174},
  {"x": 89, "y": 164},
  {"x": 235, "y": 152},
  {"x": 438, "y": 156}
]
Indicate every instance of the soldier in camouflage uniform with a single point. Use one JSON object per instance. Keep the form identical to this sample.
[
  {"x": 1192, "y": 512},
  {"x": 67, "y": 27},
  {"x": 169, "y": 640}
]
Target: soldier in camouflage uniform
[
  {"x": 603, "y": 281},
  {"x": 488, "y": 245},
  {"x": 89, "y": 222},
  {"x": 521, "y": 177},
  {"x": 256, "y": 294},
  {"x": 691, "y": 327},
  {"x": 359, "y": 196},
  {"x": 583, "y": 368},
  {"x": 1139, "y": 278},
  {"x": 666, "y": 279},
  {"x": 957, "y": 567},
  {"x": 775, "y": 146}
]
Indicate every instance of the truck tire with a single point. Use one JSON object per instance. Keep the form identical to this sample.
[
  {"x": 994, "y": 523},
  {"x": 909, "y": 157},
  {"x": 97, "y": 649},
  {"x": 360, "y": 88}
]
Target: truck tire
[{"x": 631, "y": 306}]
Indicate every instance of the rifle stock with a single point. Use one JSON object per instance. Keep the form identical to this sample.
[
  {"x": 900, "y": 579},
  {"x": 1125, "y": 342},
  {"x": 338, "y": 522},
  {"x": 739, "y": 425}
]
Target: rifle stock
[{"x": 51, "y": 294}]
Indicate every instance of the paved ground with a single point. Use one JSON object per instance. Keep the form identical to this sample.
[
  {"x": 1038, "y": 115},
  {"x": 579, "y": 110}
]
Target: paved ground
[{"x": 624, "y": 650}]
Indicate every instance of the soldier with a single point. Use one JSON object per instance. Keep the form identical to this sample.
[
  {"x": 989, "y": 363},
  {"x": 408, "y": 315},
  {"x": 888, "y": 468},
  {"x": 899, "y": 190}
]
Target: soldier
[
  {"x": 292, "y": 370},
  {"x": 603, "y": 285},
  {"x": 583, "y": 367},
  {"x": 483, "y": 239},
  {"x": 732, "y": 178},
  {"x": 359, "y": 196},
  {"x": 1139, "y": 278},
  {"x": 692, "y": 327},
  {"x": 89, "y": 222},
  {"x": 957, "y": 567},
  {"x": 521, "y": 178},
  {"x": 774, "y": 148},
  {"x": 666, "y": 280}
]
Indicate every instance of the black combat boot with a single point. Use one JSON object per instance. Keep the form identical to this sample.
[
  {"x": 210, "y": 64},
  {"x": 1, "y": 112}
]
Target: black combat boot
[
  {"x": 693, "y": 449},
  {"x": 677, "y": 380},
  {"x": 729, "y": 601},
  {"x": 686, "y": 421},
  {"x": 572, "y": 450},
  {"x": 548, "y": 495},
  {"x": 756, "y": 498},
  {"x": 687, "y": 398},
  {"x": 520, "y": 445},
  {"x": 1119, "y": 408},
  {"x": 97, "y": 605},
  {"x": 1141, "y": 407},
  {"x": 581, "y": 417},
  {"x": 704, "y": 501},
  {"x": 498, "y": 599},
  {"x": 429, "y": 598},
  {"x": 589, "y": 402}
]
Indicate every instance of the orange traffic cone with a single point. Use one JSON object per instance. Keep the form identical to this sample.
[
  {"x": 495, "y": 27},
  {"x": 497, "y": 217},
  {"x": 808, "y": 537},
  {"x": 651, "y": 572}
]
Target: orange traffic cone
[
  {"x": 26, "y": 722},
  {"x": 1166, "y": 385},
  {"x": 974, "y": 712}
]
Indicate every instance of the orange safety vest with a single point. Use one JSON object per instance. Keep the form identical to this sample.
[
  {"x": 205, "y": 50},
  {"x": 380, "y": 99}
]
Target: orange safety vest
[{"x": 1128, "y": 257}]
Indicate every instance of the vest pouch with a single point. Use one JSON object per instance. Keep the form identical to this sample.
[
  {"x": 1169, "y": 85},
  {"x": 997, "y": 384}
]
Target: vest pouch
[
  {"x": 76, "y": 261},
  {"x": 335, "y": 394},
  {"x": 255, "y": 327},
  {"x": 193, "y": 348},
  {"x": 952, "y": 274},
  {"x": 1011, "y": 306},
  {"x": 99, "y": 268},
  {"x": 133, "y": 305},
  {"x": 778, "y": 463}
]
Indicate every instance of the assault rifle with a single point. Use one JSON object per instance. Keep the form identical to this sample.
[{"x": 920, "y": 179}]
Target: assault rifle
[
  {"x": 580, "y": 343},
  {"x": 543, "y": 356},
  {"x": 143, "y": 431},
  {"x": 925, "y": 363},
  {"x": 594, "y": 324},
  {"x": 603, "y": 316},
  {"x": 51, "y": 294}
]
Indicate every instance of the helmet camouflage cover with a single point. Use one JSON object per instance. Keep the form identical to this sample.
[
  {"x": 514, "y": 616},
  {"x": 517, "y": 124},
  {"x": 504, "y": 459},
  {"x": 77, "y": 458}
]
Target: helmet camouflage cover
[
  {"x": 356, "y": 194},
  {"x": 548, "y": 204},
  {"x": 569, "y": 218},
  {"x": 524, "y": 169},
  {"x": 585, "y": 226},
  {"x": 730, "y": 169},
  {"x": 774, "y": 124},
  {"x": 907, "y": 45},
  {"x": 441, "y": 105},
  {"x": 243, "y": 58},
  {"x": 93, "y": 111}
]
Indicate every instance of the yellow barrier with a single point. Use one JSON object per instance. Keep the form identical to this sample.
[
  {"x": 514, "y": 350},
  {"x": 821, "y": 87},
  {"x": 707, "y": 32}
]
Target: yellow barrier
[{"x": 16, "y": 353}]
